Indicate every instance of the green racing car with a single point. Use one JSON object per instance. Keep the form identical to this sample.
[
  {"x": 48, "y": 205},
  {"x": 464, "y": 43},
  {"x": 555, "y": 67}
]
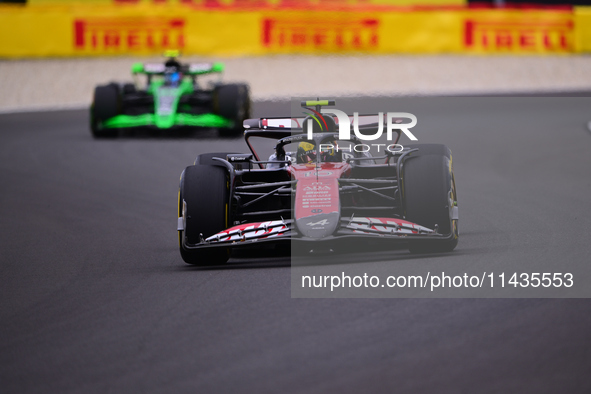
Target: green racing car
[{"x": 171, "y": 98}]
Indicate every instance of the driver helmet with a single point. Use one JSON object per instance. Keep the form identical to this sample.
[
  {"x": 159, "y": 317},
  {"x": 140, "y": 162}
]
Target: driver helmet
[
  {"x": 172, "y": 78},
  {"x": 306, "y": 153},
  {"x": 171, "y": 62},
  {"x": 330, "y": 151}
]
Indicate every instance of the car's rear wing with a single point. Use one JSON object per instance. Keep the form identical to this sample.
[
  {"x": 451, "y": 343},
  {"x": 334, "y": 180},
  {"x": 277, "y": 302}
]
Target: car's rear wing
[
  {"x": 295, "y": 125},
  {"x": 187, "y": 69}
]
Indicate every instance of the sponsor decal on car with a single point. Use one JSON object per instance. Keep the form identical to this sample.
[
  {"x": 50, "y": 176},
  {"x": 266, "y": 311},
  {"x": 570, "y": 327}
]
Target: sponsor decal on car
[{"x": 322, "y": 222}]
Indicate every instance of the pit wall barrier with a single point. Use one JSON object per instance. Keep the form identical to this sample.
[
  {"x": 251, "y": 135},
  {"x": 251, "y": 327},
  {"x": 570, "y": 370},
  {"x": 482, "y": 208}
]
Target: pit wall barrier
[{"x": 100, "y": 30}]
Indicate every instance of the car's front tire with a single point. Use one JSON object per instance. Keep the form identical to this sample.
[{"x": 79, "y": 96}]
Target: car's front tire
[
  {"x": 204, "y": 194},
  {"x": 106, "y": 104},
  {"x": 429, "y": 196}
]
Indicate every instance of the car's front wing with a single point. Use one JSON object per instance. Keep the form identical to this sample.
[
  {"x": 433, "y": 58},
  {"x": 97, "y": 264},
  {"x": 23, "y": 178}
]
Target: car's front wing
[
  {"x": 250, "y": 234},
  {"x": 168, "y": 121}
]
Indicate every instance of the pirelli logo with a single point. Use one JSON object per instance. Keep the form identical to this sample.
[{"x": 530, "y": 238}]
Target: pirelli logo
[
  {"x": 521, "y": 35},
  {"x": 320, "y": 34},
  {"x": 128, "y": 34}
]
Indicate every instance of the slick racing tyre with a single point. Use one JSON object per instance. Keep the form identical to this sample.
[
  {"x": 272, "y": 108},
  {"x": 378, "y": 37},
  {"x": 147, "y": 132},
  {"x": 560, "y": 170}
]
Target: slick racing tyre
[
  {"x": 232, "y": 102},
  {"x": 429, "y": 196},
  {"x": 129, "y": 88},
  {"x": 105, "y": 105},
  {"x": 204, "y": 194}
]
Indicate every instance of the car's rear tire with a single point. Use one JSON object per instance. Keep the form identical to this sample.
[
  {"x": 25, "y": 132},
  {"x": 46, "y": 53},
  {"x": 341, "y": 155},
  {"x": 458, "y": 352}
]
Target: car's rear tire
[
  {"x": 232, "y": 101},
  {"x": 429, "y": 196},
  {"x": 204, "y": 189},
  {"x": 106, "y": 104},
  {"x": 129, "y": 88}
]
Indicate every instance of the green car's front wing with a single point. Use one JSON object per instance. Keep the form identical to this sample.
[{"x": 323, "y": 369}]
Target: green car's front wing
[{"x": 168, "y": 121}]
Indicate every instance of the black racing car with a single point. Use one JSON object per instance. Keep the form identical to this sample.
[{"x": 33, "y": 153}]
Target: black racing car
[{"x": 314, "y": 191}]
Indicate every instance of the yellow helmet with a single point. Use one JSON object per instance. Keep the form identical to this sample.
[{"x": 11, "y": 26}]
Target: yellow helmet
[
  {"x": 306, "y": 153},
  {"x": 172, "y": 53}
]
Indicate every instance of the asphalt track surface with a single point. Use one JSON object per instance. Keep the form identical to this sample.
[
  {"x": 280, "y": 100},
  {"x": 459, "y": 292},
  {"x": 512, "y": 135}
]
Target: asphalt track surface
[{"x": 95, "y": 297}]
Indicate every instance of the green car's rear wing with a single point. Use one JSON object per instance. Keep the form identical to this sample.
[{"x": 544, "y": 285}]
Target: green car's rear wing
[{"x": 187, "y": 69}]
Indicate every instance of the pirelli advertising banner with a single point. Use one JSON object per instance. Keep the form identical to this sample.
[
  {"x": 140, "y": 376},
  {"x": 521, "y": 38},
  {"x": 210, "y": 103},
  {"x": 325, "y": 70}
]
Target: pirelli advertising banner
[{"x": 113, "y": 30}]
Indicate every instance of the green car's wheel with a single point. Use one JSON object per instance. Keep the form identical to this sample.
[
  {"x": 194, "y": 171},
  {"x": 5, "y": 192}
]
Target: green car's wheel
[
  {"x": 129, "y": 88},
  {"x": 204, "y": 195},
  {"x": 232, "y": 101},
  {"x": 105, "y": 105}
]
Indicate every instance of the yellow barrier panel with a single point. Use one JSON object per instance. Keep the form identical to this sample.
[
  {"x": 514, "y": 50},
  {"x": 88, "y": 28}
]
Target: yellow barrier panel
[
  {"x": 69, "y": 2},
  {"x": 107, "y": 30},
  {"x": 416, "y": 32},
  {"x": 518, "y": 31},
  {"x": 583, "y": 29},
  {"x": 479, "y": 32},
  {"x": 259, "y": 4}
]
